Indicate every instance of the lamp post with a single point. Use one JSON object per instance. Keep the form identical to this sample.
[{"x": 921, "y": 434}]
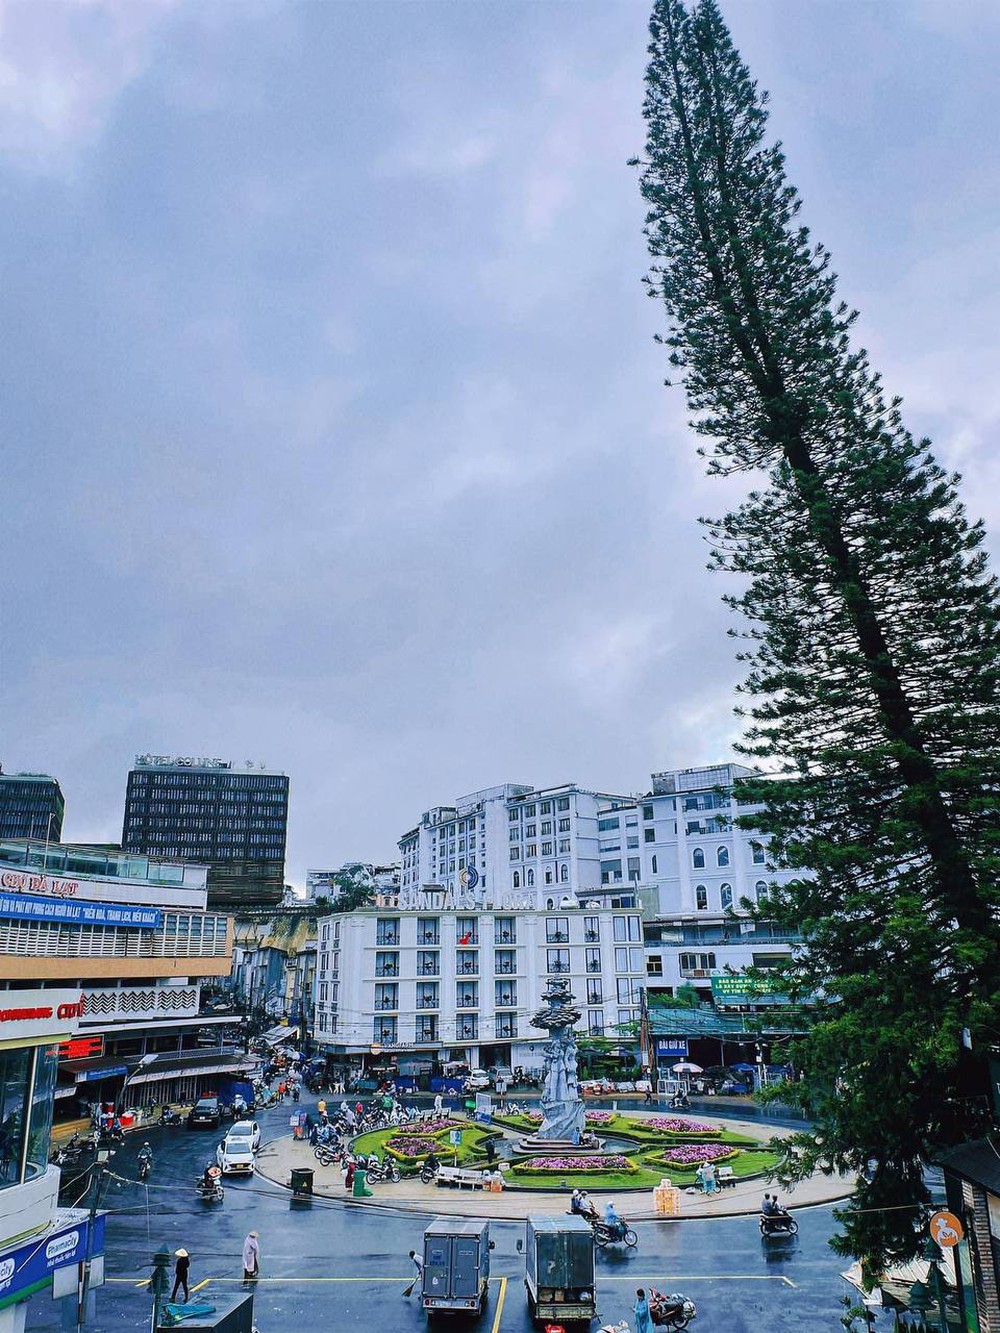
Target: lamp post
[
  {"x": 102, "y": 1156},
  {"x": 159, "y": 1283},
  {"x": 935, "y": 1280},
  {"x": 143, "y": 1064}
]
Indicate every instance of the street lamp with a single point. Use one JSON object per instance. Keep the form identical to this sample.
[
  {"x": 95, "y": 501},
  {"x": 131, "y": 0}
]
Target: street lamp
[
  {"x": 143, "y": 1064},
  {"x": 101, "y": 1158},
  {"x": 935, "y": 1279}
]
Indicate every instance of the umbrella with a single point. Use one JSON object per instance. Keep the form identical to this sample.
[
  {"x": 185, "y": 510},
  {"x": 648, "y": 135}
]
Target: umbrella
[
  {"x": 686, "y": 1067},
  {"x": 743, "y": 1067}
]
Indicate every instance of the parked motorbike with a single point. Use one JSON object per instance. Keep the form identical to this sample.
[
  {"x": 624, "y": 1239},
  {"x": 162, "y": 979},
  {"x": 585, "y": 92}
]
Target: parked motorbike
[
  {"x": 387, "y": 1170},
  {"x": 170, "y": 1117},
  {"x": 671, "y": 1311},
  {"x": 328, "y": 1154},
  {"x": 778, "y": 1224},
  {"x": 612, "y": 1233}
]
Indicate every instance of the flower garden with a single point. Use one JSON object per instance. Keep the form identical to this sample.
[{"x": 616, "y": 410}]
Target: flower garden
[{"x": 643, "y": 1150}]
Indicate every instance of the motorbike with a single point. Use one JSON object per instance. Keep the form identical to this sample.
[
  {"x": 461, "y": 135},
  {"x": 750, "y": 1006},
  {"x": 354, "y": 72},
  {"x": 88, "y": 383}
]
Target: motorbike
[
  {"x": 612, "y": 1233},
  {"x": 679, "y": 1102},
  {"x": 387, "y": 1170},
  {"x": 328, "y": 1154},
  {"x": 170, "y": 1117},
  {"x": 671, "y": 1311},
  {"x": 210, "y": 1193},
  {"x": 428, "y": 1174},
  {"x": 145, "y": 1166},
  {"x": 778, "y": 1224}
]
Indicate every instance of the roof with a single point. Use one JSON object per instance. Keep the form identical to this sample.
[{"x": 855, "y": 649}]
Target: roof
[
  {"x": 978, "y": 1161},
  {"x": 276, "y": 1035},
  {"x": 170, "y": 1063},
  {"x": 456, "y": 1226}
]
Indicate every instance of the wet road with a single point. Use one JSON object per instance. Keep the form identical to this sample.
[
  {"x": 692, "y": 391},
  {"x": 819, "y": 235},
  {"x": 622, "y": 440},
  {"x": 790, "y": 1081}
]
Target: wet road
[{"x": 333, "y": 1266}]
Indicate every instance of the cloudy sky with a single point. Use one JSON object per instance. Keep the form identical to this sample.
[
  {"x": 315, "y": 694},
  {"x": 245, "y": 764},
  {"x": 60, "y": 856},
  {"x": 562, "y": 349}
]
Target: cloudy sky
[{"x": 334, "y": 432}]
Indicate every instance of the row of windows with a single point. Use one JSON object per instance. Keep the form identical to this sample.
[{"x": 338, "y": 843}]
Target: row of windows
[
  {"x": 544, "y": 807},
  {"x": 557, "y": 960},
  {"x": 725, "y": 895}
]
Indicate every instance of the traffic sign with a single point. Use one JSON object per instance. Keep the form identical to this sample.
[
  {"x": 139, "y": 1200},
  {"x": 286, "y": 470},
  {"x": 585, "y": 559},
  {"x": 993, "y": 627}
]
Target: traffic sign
[{"x": 946, "y": 1229}]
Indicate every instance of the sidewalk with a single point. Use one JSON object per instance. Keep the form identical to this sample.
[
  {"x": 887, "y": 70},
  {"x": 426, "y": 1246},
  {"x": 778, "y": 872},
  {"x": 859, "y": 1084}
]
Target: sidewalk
[{"x": 278, "y": 1156}]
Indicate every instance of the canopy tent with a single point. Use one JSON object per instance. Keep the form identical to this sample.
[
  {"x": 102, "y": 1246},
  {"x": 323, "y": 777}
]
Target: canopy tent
[{"x": 277, "y": 1035}]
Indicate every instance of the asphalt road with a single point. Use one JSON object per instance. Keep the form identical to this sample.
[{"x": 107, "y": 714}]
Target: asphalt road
[{"x": 327, "y": 1265}]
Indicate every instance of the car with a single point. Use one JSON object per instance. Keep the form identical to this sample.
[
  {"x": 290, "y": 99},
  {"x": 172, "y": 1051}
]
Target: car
[
  {"x": 502, "y": 1074},
  {"x": 205, "y": 1114},
  {"x": 235, "y": 1154},
  {"x": 478, "y": 1081}
]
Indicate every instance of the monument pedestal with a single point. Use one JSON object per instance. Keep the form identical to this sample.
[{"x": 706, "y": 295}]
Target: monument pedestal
[{"x": 531, "y": 1143}]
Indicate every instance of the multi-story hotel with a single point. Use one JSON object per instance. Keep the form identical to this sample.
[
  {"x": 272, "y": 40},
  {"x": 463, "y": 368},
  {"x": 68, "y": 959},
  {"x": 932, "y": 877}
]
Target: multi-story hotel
[
  {"x": 132, "y": 937},
  {"x": 206, "y": 812},
  {"x": 441, "y": 978}
]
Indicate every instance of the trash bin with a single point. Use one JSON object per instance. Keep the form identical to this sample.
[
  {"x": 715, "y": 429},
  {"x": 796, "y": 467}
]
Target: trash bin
[{"x": 301, "y": 1181}]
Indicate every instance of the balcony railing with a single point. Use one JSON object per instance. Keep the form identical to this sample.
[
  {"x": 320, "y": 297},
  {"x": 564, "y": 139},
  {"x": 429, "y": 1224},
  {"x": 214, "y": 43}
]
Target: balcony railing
[
  {"x": 467, "y": 1002},
  {"x": 182, "y": 935},
  {"x": 141, "y": 1002},
  {"x": 505, "y": 969},
  {"x": 388, "y": 971}
]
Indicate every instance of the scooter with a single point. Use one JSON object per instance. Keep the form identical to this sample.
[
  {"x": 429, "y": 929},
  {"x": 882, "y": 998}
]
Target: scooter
[
  {"x": 671, "y": 1311},
  {"x": 387, "y": 1170},
  {"x": 612, "y": 1233},
  {"x": 145, "y": 1166},
  {"x": 213, "y": 1193},
  {"x": 778, "y": 1224},
  {"x": 170, "y": 1117}
]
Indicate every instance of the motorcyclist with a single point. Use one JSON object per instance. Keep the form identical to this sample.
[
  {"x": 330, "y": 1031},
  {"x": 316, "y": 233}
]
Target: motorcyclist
[
  {"x": 576, "y": 1203},
  {"x": 209, "y": 1177},
  {"x": 146, "y": 1154},
  {"x": 431, "y": 1162},
  {"x": 611, "y": 1219},
  {"x": 769, "y": 1206}
]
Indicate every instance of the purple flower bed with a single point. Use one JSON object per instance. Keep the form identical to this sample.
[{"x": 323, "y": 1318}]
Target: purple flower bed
[
  {"x": 687, "y": 1154},
  {"x": 411, "y": 1147},
  {"x": 600, "y": 1117},
  {"x": 613, "y": 1163},
  {"x": 672, "y": 1124}
]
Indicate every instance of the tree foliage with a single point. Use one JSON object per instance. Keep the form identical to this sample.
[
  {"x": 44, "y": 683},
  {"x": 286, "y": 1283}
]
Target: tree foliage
[
  {"x": 355, "y": 888},
  {"x": 868, "y": 622}
]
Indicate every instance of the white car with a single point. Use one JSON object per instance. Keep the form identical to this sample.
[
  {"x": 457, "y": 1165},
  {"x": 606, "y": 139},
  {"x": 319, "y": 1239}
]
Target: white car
[
  {"x": 478, "y": 1081},
  {"x": 235, "y": 1154}
]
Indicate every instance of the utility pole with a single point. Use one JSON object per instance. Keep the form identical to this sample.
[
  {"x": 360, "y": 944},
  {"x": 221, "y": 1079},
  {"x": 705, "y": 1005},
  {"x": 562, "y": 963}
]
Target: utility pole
[
  {"x": 159, "y": 1283},
  {"x": 83, "y": 1282}
]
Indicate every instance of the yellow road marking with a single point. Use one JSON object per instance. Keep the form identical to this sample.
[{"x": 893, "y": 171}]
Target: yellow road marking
[
  {"x": 143, "y": 1283},
  {"x": 699, "y": 1277},
  {"x": 203, "y": 1283},
  {"x": 500, "y": 1301}
]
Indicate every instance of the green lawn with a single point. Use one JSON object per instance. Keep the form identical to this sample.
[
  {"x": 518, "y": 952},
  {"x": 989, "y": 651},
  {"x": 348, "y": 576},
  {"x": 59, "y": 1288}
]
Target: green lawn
[{"x": 471, "y": 1152}]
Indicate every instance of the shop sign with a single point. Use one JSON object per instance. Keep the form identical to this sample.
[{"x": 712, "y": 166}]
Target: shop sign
[
  {"x": 30, "y": 1267},
  {"x": 23, "y": 907},
  {"x": 28, "y": 1015},
  {"x": 82, "y": 1048},
  {"x": 671, "y": 1048},
  {"x": 92, "y": 1075},
  {"x": 740, "y": 990}
]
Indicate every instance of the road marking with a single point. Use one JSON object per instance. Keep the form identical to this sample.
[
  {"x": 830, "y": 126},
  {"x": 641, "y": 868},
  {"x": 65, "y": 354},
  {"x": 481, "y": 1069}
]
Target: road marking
[
  {"x": 500, "y": 1300},
  {"x": 203, "y": 1283},
  {"x": 700, "y": 1277},
  {"x": 143, "y": 1283}
]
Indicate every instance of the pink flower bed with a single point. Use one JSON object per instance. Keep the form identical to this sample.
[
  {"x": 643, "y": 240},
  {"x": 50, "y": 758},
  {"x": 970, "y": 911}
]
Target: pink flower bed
[
  {"x": 614, "y": 1163},
  {"x": 600, "y": 1117},
  {"x": 411, "y": 1147},
  {"x": 672, "y": 1124},
  {"x": 430, "y": 1127},
  {"x": 686, "y": 1154}
]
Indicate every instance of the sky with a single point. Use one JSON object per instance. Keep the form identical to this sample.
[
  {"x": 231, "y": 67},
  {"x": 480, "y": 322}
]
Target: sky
[{"x": 334, "y": 431}]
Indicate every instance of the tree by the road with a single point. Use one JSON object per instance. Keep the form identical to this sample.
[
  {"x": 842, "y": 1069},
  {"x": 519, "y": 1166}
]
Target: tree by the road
[{"x": 868, "y": 621}]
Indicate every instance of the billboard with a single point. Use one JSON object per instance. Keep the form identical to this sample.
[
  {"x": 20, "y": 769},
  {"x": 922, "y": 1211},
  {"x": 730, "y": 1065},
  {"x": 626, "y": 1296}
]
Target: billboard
[
  {"x": 743, "y": 990},
  {"x": 25, "y": 907}
]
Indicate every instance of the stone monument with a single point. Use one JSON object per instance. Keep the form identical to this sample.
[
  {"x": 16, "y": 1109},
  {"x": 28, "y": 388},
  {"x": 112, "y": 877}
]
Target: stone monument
[{"x": 563, "y": 1122}]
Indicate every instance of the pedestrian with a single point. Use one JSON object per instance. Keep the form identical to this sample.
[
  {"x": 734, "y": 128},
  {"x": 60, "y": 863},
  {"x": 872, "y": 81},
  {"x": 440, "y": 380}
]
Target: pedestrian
[
  {"x": 349, "y": 1174},
  {"x": 181, "y": 1268},
  {"x": 643, "y": 1321},
  {"x": 649, "y": 1095},
  {"x": 251, "y": 1258},
  {"x": 438, "y": 1104},
  {"x": 418, "y": 1264}
]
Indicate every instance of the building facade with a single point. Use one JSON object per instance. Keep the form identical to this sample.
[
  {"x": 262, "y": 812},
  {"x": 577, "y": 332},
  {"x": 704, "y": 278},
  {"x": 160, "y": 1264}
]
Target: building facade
[
  {"x": 206, "y": 812},
  {"x": 41, "y": 1245},
  {"x": 517, "y": 845},
  {"x": 133, "y": 937},
  {"x": 31, "y": 806},
  {"x": 446, "y": 979}
]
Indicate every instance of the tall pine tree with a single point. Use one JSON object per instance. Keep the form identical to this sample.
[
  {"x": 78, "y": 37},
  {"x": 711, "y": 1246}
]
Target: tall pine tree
[{"x": 870, "y": 626}]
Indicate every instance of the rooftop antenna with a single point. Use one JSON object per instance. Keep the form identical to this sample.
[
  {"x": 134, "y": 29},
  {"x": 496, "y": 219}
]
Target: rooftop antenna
[{"x": 249, "y": 764}]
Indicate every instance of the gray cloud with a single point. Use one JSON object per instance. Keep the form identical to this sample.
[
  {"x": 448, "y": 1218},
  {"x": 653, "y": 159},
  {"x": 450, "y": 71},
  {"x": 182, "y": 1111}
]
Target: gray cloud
[{"x": 335, "y": 429}]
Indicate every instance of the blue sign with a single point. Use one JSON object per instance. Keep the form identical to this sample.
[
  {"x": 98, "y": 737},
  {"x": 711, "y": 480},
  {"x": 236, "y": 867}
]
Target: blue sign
[
  {"x": 30, "y": 1267},
  {"x": 91, "y": 1074},
  {"x": 24, "y": 907},
  {"x": 671, "y": 1048}
]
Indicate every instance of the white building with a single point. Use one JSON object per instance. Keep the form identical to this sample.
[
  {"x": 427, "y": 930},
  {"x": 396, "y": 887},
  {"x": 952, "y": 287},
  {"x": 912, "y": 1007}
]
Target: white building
[
  {"x": 697, "y": 866},
  {"x": 384, "y": 880},
  {"x": 442, "y": 977},
  {"x": 522, "y": 846}
]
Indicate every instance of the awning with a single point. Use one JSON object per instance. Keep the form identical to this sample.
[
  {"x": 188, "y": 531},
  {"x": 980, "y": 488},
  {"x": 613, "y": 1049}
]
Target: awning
[
  {"x": 168, "y": 1065},
  {"x": 275, "y": 1036}
]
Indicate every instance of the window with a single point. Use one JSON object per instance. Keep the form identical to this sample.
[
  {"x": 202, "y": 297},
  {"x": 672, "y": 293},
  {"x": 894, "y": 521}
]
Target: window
[
  {"x": 427, "y": 995},
  {"x": 467, "y": 995},
  {"x": 517, "y": 879},
  {"x": 595, "y": 1023},
  {"x": 564, "y": 874},
  {"x": 512, "y": 815},
  {"x": 563, "y": 846},
  {"x": 698, "y": 858},
  {"x": 624, "y": 990},
  {"x": 548, "y": 877},
  {"x": 546, "y": 807},
  {"x": 529, "y": 879},
  {"x": 428, "y": 931},
  {"x": 562, "y": 803},
  {"x": 466, "y": 931},
  {"x": 467, "y": 1027},
  {"x": 467, "y": 962},
  {"x": 546, "y": 848},
  {"x": 505, "y": 994},
  {"x": 387, "y": 996},
  {"x": 530, "y": 830},
  {"x": 722, "y": 856},
  {"x": 505, "y": 962},
  {"x": 695, "y": 962},
  {"x": 649, "y": 834},
  {"x": 591, "y": 928},
  {"x": 428, "y": 964},
  {"x": 627, "y": 929},
  {"x": 514, "y": 835},
  {"x": 515, "y": 853},
  {"x": 387, "y": 964},
  {"x": 593, "y": 960},
  {"x": 654, "y": 965},
  {"x": 557, "y": 930},
  {"x": 726, "y": 896},
  {"x": 426, "y": 1029},
  {"x": 546, "y": 828},
  {"x": 384, "y": 1031},
  {"x": 504, "y": 931},
  {"x": 531, "y": 850},
  {"x": 760, "y": 888},
  {"x": 654, "y": 870},
  {"x": 647, "y": 812},
  {"x": 505, "y": 1027},
  {"x": 634, "y": 867},
  {"x": 757, "y": 852},
  {"x": 529, "y": 812},
  {"x": 701, "y": 898},
  {"x": 564, "y": 825},
  {"x": 595, "y": 992},
  {"x": 557, "y": 960},
  {"x": 605, "y": 825}
]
